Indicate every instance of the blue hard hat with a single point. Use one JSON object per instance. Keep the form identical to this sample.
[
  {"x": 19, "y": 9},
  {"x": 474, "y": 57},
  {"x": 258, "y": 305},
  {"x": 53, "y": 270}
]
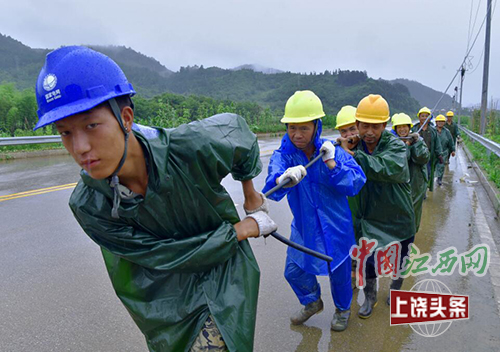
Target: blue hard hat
[{"x": 76, "y": 79}]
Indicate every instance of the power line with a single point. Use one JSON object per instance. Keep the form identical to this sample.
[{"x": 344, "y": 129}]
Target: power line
[
  {"x": 475, "y": 18},
  {"x": 471, "y": 29},
  {"x": 466, "y": 55},
  {"x": 478, "y": 63}
]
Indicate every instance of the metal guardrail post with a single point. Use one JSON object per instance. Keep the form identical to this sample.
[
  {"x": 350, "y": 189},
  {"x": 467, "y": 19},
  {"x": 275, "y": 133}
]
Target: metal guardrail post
[
  {"x": 29, "y": 140},
  {"x": 491, "y": 146}
]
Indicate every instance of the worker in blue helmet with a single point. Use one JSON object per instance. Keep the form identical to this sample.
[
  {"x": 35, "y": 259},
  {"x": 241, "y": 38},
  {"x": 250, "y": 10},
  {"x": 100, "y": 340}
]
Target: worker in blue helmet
[{"x": 174, "y": 247}]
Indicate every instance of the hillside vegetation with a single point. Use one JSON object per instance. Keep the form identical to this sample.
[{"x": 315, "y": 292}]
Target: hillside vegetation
[
  {"x": 18, "y": 112},
  {"x": 20, "y": 64},
  {"x": 424, "y": 95}
]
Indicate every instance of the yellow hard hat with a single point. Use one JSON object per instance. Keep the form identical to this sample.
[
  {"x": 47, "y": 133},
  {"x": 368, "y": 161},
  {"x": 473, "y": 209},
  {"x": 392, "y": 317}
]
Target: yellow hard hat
[
  {"x": 425, "y": 109},
  {"x": 346, "y": 116},
  {"x": 303, "y": 106},
  {"x": 373, "y": 109},
  {"x": 440, "y": 118},
  {"x": 450, "y": 114},
  {"x": 401, "y": 119}
]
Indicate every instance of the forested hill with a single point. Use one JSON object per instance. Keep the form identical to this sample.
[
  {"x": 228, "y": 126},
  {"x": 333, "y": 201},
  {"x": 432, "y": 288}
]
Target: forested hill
[
  {"x": 20, "y": 64},
  {"x": 424, "y": 95},
  {"x": 335, "y": 88}
]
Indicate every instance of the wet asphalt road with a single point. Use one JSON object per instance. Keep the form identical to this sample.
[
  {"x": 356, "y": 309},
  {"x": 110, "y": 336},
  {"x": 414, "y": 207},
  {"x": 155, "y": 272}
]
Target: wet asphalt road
[{"x": 55, "y": 294}]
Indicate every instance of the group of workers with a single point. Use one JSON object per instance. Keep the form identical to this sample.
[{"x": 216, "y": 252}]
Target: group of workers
[
  {"x": 427, "y": 148},
  {"x": 173, "y": 244}
]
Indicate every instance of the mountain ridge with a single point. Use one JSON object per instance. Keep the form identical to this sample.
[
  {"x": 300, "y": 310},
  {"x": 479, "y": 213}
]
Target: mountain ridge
[
  {"x": 425, "y": 95},
  {"x": 21, "y": 64}
]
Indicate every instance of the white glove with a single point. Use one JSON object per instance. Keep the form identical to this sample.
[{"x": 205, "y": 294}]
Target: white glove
[
  {"x": 295, "y": 174},
  {"x": 264, "y": 207},
  {"x": 265, "y": 223},
  {"x": 329, "y": 150}
]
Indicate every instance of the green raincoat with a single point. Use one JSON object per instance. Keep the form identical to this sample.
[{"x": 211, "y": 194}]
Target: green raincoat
[
  {"x": 434, "y": 149},
  {"x": 173, "y": 256},
  {"x": 418, "y": 157},
  {"x": 453, "y": 128},
  {"x": 448, "y": 146},
  {"x": 384, "y": 207}
]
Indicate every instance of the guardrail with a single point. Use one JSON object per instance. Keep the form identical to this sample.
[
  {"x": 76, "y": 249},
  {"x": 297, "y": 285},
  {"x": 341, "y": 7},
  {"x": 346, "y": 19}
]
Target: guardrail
[
  {"x": 491, "y": 146},
  {"x": 29, "y": 140}
]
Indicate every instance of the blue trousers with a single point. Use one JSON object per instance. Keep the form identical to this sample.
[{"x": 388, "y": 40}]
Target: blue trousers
[{"x": 308, "y": 290}]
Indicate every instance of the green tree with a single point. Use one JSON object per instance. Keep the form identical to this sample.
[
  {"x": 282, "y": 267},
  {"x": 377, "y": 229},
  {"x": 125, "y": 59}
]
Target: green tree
[{"x": 13, "y": 120}]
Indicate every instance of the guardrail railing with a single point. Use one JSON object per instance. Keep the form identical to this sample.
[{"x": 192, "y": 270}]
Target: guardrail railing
[
  {"x": 491, "y": 146},
  {"x": 29, "y": 140}
]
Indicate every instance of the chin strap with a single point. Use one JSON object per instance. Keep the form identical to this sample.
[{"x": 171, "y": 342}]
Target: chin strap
[{"x": 115, "y": 181}]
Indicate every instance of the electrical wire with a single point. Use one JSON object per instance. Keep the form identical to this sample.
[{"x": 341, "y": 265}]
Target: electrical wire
[
  {"x": 469, "y": 32},
  {"x": 478, "y": 63},
  {"x": 482, "y": 52},
  {"x": 475, "y": 18},
  {"x": 466, "y": 55}
]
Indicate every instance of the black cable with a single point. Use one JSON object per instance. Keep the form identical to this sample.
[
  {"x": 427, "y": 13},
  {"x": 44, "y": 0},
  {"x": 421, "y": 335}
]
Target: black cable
[{"x": 286, "y": 240}]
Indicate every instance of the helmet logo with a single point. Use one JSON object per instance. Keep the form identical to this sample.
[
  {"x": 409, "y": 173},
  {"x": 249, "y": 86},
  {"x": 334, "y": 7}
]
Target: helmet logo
[{"x": 49, "y": 82}]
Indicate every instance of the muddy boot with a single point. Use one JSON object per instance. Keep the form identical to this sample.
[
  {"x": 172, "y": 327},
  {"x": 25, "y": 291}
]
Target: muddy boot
[
  {"x": 370, "y": 290},
  {"x": 301, "y": 316},
  {"x": 440, "y": 181},
  {"x": 340, "y": 319},
  {"x": 395, "y": 285}
]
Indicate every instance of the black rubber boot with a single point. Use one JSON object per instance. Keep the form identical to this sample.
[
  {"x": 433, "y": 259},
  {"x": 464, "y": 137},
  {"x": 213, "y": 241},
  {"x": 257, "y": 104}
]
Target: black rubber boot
[
  {"x": 395, "y": 285},
  {"x": 370, "y": 290},
  {"x": 301, "y": 316},
  {"x": 440, "y": 181},
  {"x": 340, "y": 319}
]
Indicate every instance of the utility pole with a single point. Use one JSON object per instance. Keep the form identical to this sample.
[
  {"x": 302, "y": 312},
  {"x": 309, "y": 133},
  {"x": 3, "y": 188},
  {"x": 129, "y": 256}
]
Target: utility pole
[
  {"x": 484, "y": 98},
  {"x": 462, "y": 75}
]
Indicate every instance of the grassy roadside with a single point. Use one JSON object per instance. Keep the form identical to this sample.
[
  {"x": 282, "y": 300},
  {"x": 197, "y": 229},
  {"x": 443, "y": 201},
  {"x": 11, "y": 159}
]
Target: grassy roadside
[
  {"x": 489, "y": 163},
  {"x": 30, "y": 147}
]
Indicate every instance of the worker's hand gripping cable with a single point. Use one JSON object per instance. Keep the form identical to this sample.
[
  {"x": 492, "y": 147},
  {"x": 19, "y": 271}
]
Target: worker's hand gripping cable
[
  {"x": 295, "y": 174},
  {"x": 265, "y": 223},
  {"x": 260, "y": 215},
  {"x": 328, "y": 150},
  {"x": 286, "y": 181}
]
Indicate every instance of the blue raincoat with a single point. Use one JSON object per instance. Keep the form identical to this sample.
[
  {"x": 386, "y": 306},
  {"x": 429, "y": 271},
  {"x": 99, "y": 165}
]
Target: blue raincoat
[{"x": 321, "y": 215}]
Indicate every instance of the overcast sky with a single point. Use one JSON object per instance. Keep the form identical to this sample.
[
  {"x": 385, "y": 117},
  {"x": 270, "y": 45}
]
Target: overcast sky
[{"x": 422, "y": 40}]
